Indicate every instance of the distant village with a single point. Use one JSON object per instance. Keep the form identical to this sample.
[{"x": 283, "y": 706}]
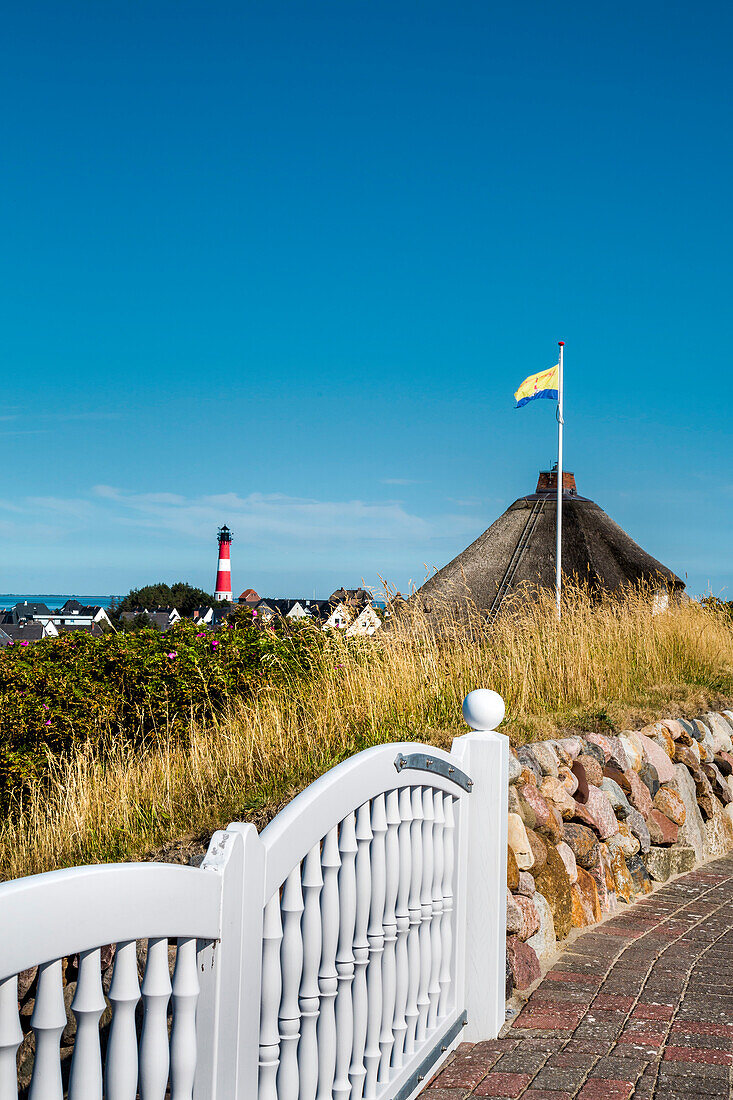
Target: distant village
[{"x": 349, "y": 609}]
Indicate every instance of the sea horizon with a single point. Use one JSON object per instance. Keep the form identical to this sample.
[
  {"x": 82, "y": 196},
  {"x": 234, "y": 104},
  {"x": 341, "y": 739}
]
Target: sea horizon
[{"x": 52, "y": 600}]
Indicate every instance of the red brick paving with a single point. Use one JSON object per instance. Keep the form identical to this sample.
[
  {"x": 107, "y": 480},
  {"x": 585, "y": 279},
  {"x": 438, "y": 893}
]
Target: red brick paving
[{"x": 640, "y": 1008}]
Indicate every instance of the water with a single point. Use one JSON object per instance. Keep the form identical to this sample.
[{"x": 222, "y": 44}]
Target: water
[{"x": 52, "y": 601}]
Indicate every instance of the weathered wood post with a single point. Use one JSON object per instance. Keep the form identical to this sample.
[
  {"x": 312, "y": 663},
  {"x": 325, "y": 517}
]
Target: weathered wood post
[{"x": 484, "y": 756}]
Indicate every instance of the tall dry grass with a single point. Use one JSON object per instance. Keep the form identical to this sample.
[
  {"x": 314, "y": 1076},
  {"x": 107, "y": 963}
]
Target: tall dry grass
[{"x": 605, "y": 665}]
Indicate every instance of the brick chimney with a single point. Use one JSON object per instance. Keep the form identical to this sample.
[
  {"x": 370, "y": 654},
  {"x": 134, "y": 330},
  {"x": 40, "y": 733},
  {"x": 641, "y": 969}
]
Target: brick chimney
[{"x": 547, "y": 482}]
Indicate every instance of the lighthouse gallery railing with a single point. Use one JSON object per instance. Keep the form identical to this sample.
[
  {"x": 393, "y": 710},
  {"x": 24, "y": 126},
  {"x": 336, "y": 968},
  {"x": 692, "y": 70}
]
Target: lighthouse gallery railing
[{"x": 341, "y": 954}]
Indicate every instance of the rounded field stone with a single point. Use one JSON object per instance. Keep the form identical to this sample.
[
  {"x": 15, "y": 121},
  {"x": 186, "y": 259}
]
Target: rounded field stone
[
  {"x": 648, "y": 775},
  {"x": 546, "y": 757},
  {"x": 638, "y": 826},
  {"x": 632, "y": 748},
  {"x": 655, "y": 755},
  {"x": 662, "y": 831},
  {"x": 537, "y": 803},
  {"x": 571, "y": 745},
  {"x": 566, "y": 855},
  {"x": 539, "y": 851},
  {"x": 568, "y": 779},
  {"x": 544, "y": 941},
  {"x": 512, "y": 870},
  {"x": 529, "y": 917},
  {"x": 555, "y": 792},
  {"x": 590, "y": 748},
  {"x": 553, "y": 884},
  {"x": 586, "y": 908},
  {"x": 528, "y": 760},
  {"x": 621, "y": 877},
  {"x": 523, "y": 961},
  {"x": 670, "y": 804},
  {"x": 603, "y": 744},
  {"x": 593, "y": 770},
  {"x": 618, "y": 800},
  {"x": 639, "y": 875},
  {"x": 581, "y": 794},
  {"x": 519, "y": 842},
  {"x": 583, "y": 843},
  {"x": 624, "y": 840},
  {"x": 513, "y": 915},
  {"x": 600, "y": 809},
  {"x": 526, "y": 884}
]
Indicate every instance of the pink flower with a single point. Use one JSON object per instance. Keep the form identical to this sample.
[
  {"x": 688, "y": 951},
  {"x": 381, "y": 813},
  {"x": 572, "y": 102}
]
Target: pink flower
[
  {"x": 45, "y": 706},
  {"x": 24, "y": 643},
  {"x": 214, "y": 644},
  {"x": 11, "y": 642},
  {"x": 200, "y": 635},
  {"x": 254, "y": 614},
  {"x": 48, "y": 723},
  {"x": 171, "y": 656}
]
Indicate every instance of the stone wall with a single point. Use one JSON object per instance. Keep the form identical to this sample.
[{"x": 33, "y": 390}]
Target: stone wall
[{"x": 595, "y": 820}]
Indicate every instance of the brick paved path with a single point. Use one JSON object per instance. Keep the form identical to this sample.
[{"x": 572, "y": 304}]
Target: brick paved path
[{"x": 642, "y": 1006}]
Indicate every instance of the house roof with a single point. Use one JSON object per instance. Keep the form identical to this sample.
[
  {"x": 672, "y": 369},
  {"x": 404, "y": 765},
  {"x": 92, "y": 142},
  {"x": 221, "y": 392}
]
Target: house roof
[
  {"x": 519, "y": 550},
  {"x": 350, "y": 596},
  {"x": 70, "y": 607},
  {"x": 249, "y": 596},
  {"x": 24, "y": 632},
  {"x": 28, "y": 609}
]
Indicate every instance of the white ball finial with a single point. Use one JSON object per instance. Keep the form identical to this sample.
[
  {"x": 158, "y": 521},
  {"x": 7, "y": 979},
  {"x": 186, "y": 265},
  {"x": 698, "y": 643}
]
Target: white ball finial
[{"x": 483, "y": 709}]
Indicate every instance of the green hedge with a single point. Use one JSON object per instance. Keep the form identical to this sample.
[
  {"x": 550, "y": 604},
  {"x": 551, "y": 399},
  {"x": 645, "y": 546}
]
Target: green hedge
[{"x": 60, "y": 691}]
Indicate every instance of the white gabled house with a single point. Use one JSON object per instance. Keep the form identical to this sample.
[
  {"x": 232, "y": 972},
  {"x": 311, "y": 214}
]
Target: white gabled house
[
  {"x": 339, "y": 618},
  {"x": 366, "y": 623}
]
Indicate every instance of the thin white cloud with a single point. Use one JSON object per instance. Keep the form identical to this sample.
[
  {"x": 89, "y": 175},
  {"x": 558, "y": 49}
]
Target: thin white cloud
[
  {"x": 401, "y": 481},
  {"x": 259, "y": 519}
]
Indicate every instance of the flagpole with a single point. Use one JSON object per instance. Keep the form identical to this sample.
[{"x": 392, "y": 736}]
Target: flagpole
[{"x": 560, "y": 422}]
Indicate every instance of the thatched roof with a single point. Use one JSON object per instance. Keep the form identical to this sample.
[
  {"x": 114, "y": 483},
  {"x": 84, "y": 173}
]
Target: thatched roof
[{"x": 519, "y": 550}]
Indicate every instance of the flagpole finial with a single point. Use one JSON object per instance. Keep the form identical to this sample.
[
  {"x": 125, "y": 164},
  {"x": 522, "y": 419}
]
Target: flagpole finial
[{"x": 561, "y": 343}]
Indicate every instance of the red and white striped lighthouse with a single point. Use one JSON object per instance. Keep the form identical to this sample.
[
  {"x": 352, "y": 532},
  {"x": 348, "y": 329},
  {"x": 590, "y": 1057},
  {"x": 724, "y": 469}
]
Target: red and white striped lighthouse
[{"x": 223, "y": 590}]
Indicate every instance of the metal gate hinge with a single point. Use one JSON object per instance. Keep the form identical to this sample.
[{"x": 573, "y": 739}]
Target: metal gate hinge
[{"x": 420, "y": 761}]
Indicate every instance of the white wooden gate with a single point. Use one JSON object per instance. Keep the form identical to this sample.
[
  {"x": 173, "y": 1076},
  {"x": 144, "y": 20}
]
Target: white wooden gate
[{"x": 338, "y": 956}]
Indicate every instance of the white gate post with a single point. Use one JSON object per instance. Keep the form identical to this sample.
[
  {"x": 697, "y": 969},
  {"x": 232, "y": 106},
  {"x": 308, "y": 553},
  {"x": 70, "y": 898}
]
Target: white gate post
[
  {"x": 484, "y": 756},
  {"x": 228, "y": 1016}
]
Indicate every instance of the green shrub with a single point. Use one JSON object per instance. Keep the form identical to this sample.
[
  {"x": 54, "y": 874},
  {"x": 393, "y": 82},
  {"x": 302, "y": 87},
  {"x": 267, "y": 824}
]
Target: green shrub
[{"x": 138, "y": 686}]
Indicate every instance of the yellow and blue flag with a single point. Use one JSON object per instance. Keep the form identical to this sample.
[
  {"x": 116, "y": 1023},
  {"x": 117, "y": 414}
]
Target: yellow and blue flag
[{"x": 544, "y": 384}]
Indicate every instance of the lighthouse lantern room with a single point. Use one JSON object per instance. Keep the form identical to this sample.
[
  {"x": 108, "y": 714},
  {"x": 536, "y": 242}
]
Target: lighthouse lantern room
[{"x": 223, "y": 590}]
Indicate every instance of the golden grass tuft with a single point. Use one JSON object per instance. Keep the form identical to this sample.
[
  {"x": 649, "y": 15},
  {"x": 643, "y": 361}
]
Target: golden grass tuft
[{"x": 608, "y": 665}]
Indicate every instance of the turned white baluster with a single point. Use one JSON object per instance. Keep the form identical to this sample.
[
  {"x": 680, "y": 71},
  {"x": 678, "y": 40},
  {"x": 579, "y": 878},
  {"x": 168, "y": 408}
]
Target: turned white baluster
[
  {"x": 154, "y": 1049},
  {"x": 48, "y": 1021},
  {"x": 11, "y": 1036},
  {"x": 183, "y": 1035},
  {"x": 446, "y": 924},
  {"x": 85, "y": 1081},
  {"x": 426, "y": 913},
  {"x": 436, "y": 933},
  {"x": 389, "y": 977},
  {"x": 375, "y": 934},
  {"x": 309, "y": 999},
  {"x": 402, "y": 917},
  {"x": 357, "y": 1070},
  {"x": 413, "y": 937},
  {"x": 328, "y": 975},
  {"x": 270, "y": 1000},
  {"x": 291, "y": 968},
  {"x": 345, "y": 958},
  {"x": 124, "y": 994}
]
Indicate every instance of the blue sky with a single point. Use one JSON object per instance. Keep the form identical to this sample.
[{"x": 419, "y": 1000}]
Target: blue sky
[{"x": 282, "y": 265}]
